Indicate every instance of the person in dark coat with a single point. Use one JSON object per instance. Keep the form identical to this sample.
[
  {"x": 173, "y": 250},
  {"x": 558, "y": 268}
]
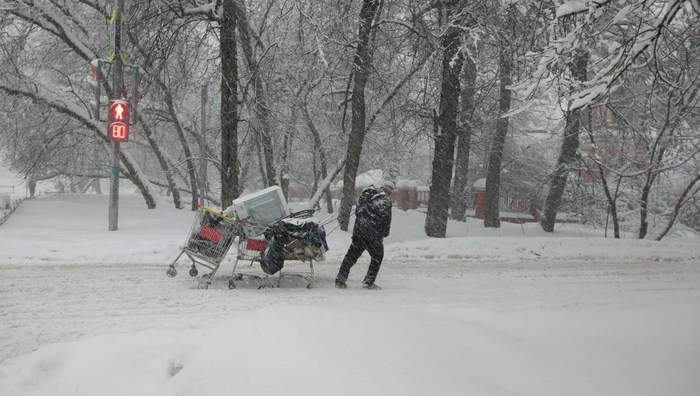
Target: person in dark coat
[{"x": 372, "y": 225}]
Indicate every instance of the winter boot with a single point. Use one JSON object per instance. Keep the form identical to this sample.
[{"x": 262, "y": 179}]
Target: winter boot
[
  {"x": 340, "y": 284},
  {"x": 371, "y": 286}
]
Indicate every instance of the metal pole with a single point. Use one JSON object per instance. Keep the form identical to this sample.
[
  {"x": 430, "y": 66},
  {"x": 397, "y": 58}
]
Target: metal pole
[
  {"x": 117, "y": 88},
  {"x": 202, "y": 148}
]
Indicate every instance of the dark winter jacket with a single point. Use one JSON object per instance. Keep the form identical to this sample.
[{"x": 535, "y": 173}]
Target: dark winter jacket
[{"x": 372, "y": 214}]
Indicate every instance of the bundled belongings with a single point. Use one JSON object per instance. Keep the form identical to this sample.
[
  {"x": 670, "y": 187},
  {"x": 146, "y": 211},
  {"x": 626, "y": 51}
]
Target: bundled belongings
[
  {"x": 292, "y": 239},
  {"x": 267, "y": 233}
]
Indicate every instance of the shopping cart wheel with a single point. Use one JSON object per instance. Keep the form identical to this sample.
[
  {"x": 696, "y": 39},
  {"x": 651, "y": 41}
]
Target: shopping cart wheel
[
  {"x": 203, "y": 285},
  {"x": 171, "y": 272},
  {"x": 231, "y": 284},
  {"x": 193, "y": 271},
  {"x": 310, "y": 286}
]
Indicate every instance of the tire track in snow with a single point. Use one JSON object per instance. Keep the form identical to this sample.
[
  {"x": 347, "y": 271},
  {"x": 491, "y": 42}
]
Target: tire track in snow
[{"x": 43, "y": 304}]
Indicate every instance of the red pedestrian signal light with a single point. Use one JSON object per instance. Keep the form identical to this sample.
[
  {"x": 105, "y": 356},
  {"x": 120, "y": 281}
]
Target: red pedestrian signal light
[{"x": 118, "y": 120}]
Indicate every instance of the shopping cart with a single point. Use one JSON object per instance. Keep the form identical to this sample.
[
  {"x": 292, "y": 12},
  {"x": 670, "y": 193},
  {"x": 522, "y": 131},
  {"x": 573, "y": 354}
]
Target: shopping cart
[
  {"x": 208, "y": 241},
  {"x": 298, "y": 237}
]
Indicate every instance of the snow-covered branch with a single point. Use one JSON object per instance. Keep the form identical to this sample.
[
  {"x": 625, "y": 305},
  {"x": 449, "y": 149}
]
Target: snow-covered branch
[
  {"x": 209, "y": 10},
  {"x": 53, "y": 22},
  {"x": 636, "y": 28},
  {"x": 325, "y": 184},
  {"x": 23, "y": 86}
]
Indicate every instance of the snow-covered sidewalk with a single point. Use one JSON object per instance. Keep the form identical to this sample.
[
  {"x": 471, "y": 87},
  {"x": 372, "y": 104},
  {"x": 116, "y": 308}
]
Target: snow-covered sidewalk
[{"x": 517, "y": 314}]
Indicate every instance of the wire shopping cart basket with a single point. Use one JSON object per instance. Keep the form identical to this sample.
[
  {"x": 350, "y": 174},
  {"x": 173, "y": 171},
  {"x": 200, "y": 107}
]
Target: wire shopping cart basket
[
  {"x": 207, "y": 243},
  {"x": 293, "y": 238}
]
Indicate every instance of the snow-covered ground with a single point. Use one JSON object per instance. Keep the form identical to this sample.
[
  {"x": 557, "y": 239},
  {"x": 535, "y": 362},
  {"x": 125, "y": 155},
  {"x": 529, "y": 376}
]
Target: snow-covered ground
[{"x": 509, "y": 311}]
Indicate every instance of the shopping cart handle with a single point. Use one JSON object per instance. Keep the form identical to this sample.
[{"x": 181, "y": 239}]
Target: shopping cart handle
[
  {"x": 302, "y": 214},
  {"x": 329, "y": 219},
  {"x": 215, "y": 213}
]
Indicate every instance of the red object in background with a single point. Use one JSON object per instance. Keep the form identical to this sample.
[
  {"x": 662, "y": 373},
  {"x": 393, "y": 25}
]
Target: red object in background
[
  {"x": 257, "y": 245},
  {"x": 480, "y": 210},
  {"x": 210, "y": 234}
]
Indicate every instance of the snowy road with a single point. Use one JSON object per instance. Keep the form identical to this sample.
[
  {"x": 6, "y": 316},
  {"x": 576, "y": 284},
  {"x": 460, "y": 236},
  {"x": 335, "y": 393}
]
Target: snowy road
[
  {"x": 44, "y": 304},
  {"x": 488, "y": 312}
]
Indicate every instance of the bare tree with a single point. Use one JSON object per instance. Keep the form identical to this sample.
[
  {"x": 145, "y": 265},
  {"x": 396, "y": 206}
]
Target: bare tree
[
  {"x": 260, "y": 100},
  {"x": 493, "y": 171},
  {"x": 318, "y": 149},
  {"x": 61, "y": 24},
  {"x": 43, "y": 94},
  {"x": 679, "y": 204},
  {"x": 229, "y": 105},
  {"x": 458, "y": 206},
  {"x": 569, "y": 148},
  {"x": 633, "y": 31},
  {"x": 445, "y": 128},
  {"x": 362, "y": 66}
]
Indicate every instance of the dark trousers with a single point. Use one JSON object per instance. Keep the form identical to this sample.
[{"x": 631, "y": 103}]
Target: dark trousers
[{"x": 375, "y": 248}]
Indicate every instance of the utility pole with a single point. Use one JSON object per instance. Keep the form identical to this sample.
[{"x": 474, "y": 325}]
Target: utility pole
[
  {"x": 202, "y": 147},
  {"x": 117, "y": 93}
]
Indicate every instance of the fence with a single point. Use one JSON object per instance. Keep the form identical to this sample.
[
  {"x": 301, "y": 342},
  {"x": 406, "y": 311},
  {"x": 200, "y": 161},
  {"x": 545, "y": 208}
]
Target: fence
[
  {"x": 5, "y": 213},
  {"x": 5, "y": 192},
  {"x": 7, "y": 189},
  {"x": 513, "y": 204},
  {"x": 511, "y": 207}
]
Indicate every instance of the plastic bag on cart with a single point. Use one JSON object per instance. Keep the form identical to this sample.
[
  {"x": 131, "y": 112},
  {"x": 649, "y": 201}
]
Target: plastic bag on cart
[{"x": 272, "y": 258}]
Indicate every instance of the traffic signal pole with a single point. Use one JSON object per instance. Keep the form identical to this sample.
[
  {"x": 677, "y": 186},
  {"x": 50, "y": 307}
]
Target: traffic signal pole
[
  {"x": 117, "y": 93},
  {"x": 202, "y": 148}
]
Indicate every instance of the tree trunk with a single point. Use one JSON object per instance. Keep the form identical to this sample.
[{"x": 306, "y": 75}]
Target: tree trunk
[
  {"x": 567, "y": 155},
  {"x": 229, "y": 103},
  {"x": 286, "y": 148},
  {"x": 189, "y": 158},
  {"x": 492, "y": 216},
  {"x": 318, "y": 148},
  {"x": 139, "y": 180},
  {"x": 262, "y": 109},
  {"x": 612, "y": 200},
  {"x": 297, "y": 105},
  {"x": 557, "y": 184},
  {"x": 325, "y": 184},
  {"x": 612, "y": 203},
  {"x": 650, "y": 178},
  {"x": 677, "y": 206},
  {"x": 445, "y": 136},
  {"x": 458, "y": 208},
  {"x": 361, "y": 69},
  {"x": 172, "y": 186}
]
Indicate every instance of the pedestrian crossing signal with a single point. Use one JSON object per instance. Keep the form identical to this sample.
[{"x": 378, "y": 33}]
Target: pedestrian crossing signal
[{"x": 118, "y": 120}]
